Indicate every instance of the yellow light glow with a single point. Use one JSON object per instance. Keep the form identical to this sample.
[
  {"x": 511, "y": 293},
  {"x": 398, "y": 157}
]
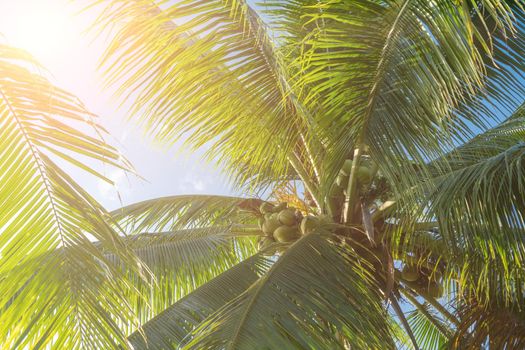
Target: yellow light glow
[{"x": 44, "y": 28}]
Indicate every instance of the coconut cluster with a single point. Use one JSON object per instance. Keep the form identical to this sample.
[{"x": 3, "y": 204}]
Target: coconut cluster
[
  {"x": 424, "y": 279},
  {"x": 282, "y": 224},
  {"x": 338, "y": 190}
]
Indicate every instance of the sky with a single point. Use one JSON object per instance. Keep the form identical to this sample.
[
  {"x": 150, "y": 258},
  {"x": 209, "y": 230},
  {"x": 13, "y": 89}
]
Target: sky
[{"x": 55, "y": 33}]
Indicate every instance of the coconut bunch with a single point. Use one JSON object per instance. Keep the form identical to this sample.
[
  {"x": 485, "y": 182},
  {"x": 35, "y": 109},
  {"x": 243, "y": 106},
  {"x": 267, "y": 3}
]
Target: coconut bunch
[
  {"x": 340, "y": 185},
  {"x": 423, "y": 278},
  {"x": 283, "y": 225}
]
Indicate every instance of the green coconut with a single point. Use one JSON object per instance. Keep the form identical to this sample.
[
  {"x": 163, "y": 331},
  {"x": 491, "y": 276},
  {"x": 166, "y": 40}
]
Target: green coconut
[
  {"x": 308, "y": 224},
  {"x": 266, "y": 207},
  {"x": 287, "y": 217},
  {"x": 410, "y": 273},
  {"x": 270, "y": 226},
  {"x": 435, "y": 290},
  {"x": 286, "y": 234},
  {"x": 347, "y": 167},
  {"x": 364, "y": 175}
]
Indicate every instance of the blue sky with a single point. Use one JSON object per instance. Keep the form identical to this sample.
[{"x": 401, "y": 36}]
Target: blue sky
[{"x": 53, "y": 32}]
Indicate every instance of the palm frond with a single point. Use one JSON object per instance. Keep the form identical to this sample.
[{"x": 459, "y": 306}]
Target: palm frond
[
  {"x": 376, "y": 67},
  {"x": 169, "y": 328},
  {"x": 48, "y": 299},
  {"x": 181, "y": 261},
  {"x": 206, "y": 72},
  {"x": 493, "y": 325},
  {"x": 282, "y": 309},
  {"x": 185, "y": 211},
  {"x": 479, "y": 208},
  {"x": 423, "y": 324}
]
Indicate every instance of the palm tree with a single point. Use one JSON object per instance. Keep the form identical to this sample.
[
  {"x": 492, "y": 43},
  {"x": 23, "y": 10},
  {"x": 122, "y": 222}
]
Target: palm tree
[{"x": 381, "y": 145}]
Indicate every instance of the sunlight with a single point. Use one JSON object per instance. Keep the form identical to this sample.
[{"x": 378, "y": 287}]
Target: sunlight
[{"x": 44, "y": 28}]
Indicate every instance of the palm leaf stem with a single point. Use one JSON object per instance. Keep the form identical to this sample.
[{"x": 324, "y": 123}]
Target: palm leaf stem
[
  {"x": 424, "y": 311},
  {"x": 403, "y": 320},
  {"x": 385, "y": 208},
  {"x": 432, "y": 301},
  {"x": 246, "y": 230},
  {"x": 351, "y": 189},
  {"x": 311, "y": 158},
  {"x": 301, "y": 171}
]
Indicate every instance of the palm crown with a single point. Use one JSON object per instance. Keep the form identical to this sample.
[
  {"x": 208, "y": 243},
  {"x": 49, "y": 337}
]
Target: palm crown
[{"x": 389, "y": 135}]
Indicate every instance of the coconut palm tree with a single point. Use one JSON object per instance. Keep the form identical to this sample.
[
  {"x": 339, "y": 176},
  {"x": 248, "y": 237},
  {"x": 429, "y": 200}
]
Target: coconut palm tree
[{"x": 379, "y": 144}]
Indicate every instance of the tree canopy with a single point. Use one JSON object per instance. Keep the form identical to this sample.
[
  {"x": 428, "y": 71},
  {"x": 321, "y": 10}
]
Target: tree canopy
[{"x": 379, "y": 147}]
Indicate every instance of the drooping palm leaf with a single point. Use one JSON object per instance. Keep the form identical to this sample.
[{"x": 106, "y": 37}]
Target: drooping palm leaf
[
  {"x": 499, "y": 328},
  {"x": 207, "y": 72},
  {"x": 168, "y": 329},
  {"x": 49, "y": 299},
  {"x": 176, "y": 212},
  {"x": 376, "y": 67},
  {"x": 280, "y": 309},
  {"x": 430, "y": 331},
  {"x": 480, "y": 210},
  {"x": 181, "y": 261}
]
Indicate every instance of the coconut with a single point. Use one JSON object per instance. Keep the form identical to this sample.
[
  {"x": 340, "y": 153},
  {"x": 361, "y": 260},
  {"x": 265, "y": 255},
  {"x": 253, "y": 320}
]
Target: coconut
[
  {"x": 287, "y": 217},
  {"x": 347, "y": 167},
  {"x": 308, "y": 224},
  {"x": 364, "y": 175},
  {"x": 410, "y": 273},
  {"x": 270, "y": 225},
  {"x": 286, "y": 234},
  {"x": 266, "y": 207}
]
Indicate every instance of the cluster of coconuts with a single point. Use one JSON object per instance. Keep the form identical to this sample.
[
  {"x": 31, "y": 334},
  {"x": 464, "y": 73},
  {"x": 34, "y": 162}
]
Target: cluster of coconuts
[
  {"x": 423, "y": 279},
  {"x": 282, "y": 224},
  {"x": 337, "y": 192}
]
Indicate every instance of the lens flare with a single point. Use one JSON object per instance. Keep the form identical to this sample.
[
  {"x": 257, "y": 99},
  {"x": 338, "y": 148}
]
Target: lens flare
[{"x": 44, "y": 28}]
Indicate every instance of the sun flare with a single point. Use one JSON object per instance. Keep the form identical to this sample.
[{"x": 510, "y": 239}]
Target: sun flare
[{"x": 41, "y": 27}]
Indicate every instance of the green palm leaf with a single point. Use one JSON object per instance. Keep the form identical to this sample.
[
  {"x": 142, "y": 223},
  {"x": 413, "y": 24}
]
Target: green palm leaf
[
  {"x": 181, "y": 261},
  {"x": 186, "y": 211},
  {"x": 237, "y": 79},
  {"x": 169, "y": 328},
  {"x": 49, "y": 299},
  {"x": 424, "y": 327},
  {"x": 336, "y": 281},
  {"x": 479, "y": 207},
  {"x": 376, "y": 67}
]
